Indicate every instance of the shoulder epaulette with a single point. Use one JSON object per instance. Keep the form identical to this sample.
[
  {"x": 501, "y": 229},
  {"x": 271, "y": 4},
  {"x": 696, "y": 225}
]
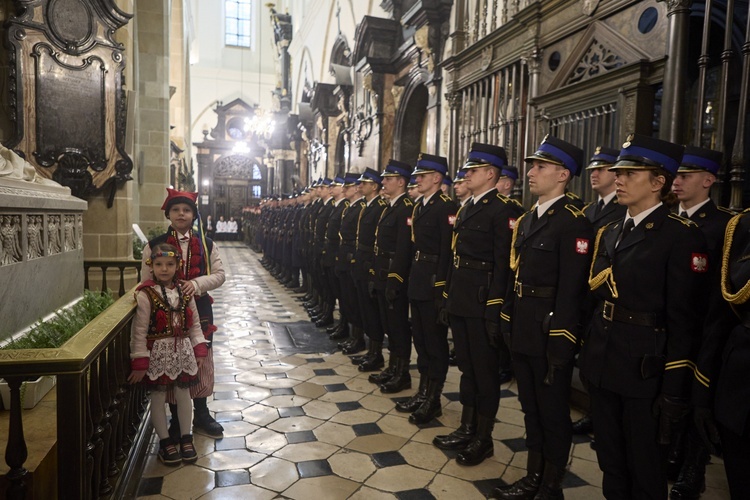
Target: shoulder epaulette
[
  {"x": 445, "y": 197},
  {"x": 572, "y": 196},
  {"x": 574, "y": 210},
  {"x": 382, "y": 202},
  {"x": 362, "y": 204},
  {"x": 587, "y": 205},
  {"x": 515, "y": 201},
  {"x": 346, "y": 203},
  {"x": 726, "y": 210},
  {"x": 408, "y": 202},
  {"x": 683, "y": 220},
  {"x": 502, "y": 198}
]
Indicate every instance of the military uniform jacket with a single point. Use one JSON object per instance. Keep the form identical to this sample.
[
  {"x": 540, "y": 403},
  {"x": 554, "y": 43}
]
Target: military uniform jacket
[
  {"x": 550, "y": 259},
  {"x": 331, "y": 246},
  {"x": 393, "y": 252},
  {"x": 321, "y": 223},
  {"x": 659, "y": 270},
  {"x": 611, "y": 212},
  {"x": 366, "y": 227},
  {"x": 482, "y": 234},
  {"x": 723, "y": 363},
  {"x": 431, "y": 229},
  {"x": 348, "y": 235}
]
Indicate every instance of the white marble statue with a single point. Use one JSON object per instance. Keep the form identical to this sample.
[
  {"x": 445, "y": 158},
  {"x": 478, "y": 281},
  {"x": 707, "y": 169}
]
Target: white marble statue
[
  {"x": 10, "y": 252},
  {"x": 13, "y": 166},
  {"x": 34, "y": 235}
]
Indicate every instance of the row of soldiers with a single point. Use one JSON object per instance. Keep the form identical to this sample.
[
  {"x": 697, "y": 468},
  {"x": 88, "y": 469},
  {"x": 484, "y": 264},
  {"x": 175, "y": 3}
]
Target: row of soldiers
[{"x": 638, "y": 294}]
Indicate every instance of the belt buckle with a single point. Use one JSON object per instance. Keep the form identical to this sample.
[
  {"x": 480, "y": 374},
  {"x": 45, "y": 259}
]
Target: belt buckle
[
  {"x": 518, "y": 288},
  {"x": 416, "y": 255},
  {"x": 456, "y": 261},
  {"x": 375, "y": 249},
  {"x": 608, "y": 310}
]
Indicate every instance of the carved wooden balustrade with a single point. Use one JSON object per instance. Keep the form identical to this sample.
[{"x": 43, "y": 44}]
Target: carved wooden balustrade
[
  {"x": 102, "y": 424},
  {"x": 105, "y": 265}
]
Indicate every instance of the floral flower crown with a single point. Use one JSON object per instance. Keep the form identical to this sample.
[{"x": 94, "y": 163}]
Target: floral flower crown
[{"x": 163, "y": 254}]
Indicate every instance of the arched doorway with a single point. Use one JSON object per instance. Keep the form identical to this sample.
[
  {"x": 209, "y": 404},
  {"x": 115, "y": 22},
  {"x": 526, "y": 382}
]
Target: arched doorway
[{"x": 411, "y": 128}]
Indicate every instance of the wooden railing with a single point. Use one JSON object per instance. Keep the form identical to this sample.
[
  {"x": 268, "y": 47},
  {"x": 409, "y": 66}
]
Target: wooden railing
[
  {"x": 105, "y": 265},
  {"x": 102, "y": 424}
]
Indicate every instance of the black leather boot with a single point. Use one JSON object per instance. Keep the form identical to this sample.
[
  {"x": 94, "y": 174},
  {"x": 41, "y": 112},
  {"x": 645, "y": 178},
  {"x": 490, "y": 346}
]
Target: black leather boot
[
  {"x": 551, "y": 488},
  {"x": 358, "y": 341},
  {"x": 481, "y": 446},
  {"x": 401, "y": 379},
  {"x": 526, "y": 487},
  {"x": 341, "y": 333},
  {"x": 385, "y": 375},
  {"x": 431, "y": 407},
  {"x": 413, "y": 403},
  {"x": 461, "y": 437},
  {"x": 584, "y": 425},
  {"x": 692, "y": 479}
]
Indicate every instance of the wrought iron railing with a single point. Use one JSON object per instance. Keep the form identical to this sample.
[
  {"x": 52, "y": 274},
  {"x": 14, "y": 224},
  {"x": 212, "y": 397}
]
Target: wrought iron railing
[{"x": 102, "y": 424}]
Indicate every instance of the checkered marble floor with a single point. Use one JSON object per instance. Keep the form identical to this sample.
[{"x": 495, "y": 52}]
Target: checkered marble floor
[{"x": 310, "y": 426}]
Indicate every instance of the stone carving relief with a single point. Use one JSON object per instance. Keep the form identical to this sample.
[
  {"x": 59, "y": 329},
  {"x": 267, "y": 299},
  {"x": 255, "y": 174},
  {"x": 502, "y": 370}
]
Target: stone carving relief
[
  {"x": 397, "y": 92},
  {"x": 35, "y": 236},
  {"x": 79, "y": 230},
  {"x": 599, "y": 59},
  {"x": 588, "y": 7},
  {"x": 69, "y": 233},
  {"x": 54, "y": 245},
  {"x": 66, "y": 96},
  {"x": 422, "y": 41},
  {"x": 10, "y": 241}
]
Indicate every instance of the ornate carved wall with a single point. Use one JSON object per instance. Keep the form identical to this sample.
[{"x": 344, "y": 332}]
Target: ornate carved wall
[{"x": 66, "y": 98}]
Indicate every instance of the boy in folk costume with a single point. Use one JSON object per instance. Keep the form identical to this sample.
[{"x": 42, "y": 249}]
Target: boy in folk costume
[{"x": 201, "y": 271}]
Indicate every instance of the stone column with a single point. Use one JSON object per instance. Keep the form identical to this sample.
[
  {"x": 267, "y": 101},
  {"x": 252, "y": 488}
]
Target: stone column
[
  {"x": 152, "y": 131},
  {"x": 675, "y": 72}
]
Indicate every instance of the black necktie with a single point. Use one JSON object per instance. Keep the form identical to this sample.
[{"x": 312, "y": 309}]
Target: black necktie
[
  {"x": 534, "y": 216},
  {"x": 599, "y": 208},
  {"x": 684, "y": 214},
  {"x": 629, "y": 225}
]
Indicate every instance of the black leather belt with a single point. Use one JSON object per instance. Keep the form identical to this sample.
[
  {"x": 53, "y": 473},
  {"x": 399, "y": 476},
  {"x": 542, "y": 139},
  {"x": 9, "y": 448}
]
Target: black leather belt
[
  {"x": 459, "y": 261},
  {"x": 382, "y": 253},
  {"x": 424, "y": 257},
  {"x": 365, "y": 248},
  {"x": 544, "y": 292},
  {"x": 614, "y": 312}
]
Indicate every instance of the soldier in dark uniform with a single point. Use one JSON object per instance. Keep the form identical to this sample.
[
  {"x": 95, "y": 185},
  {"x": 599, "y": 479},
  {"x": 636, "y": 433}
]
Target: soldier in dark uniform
[
  {"x": 393, "y": 255},
  {"x": 323, "y": 314},
  {"x": 504, "y": 186},
  {"x": 721, "y": 390},
  {"x": 462, "y": 196},
  {"x": 476, "y": 285},
  {"x": 605, "y": 208},
  {"x": 369, "y": 187},
  {"x": 550, "y": 255},
  {"x": 507, "y": 180},
  {"x": 431, "y": 228},
  {"x": 647, "y": 277},
  {"x": 411, "y": 188},
  {"x": 347, "y": 247},
  {"x": 688, "y": 457},
  {"x": 311, "y": 299},
  {"x": 602, "y": 211},
  {"x": 330, "y": 252}
]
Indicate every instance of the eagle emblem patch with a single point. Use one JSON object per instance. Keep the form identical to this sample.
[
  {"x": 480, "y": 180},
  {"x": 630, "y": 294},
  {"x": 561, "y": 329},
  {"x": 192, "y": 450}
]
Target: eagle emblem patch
[
  {"x": 699, "y": 263},
  {"x": 582, "y": 246}
]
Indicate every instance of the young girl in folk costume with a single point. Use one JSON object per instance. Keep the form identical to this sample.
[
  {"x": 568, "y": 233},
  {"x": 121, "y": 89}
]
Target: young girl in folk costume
[
  {"x": 201, "y": 270},
  {"x": 167, "y": 348}
]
